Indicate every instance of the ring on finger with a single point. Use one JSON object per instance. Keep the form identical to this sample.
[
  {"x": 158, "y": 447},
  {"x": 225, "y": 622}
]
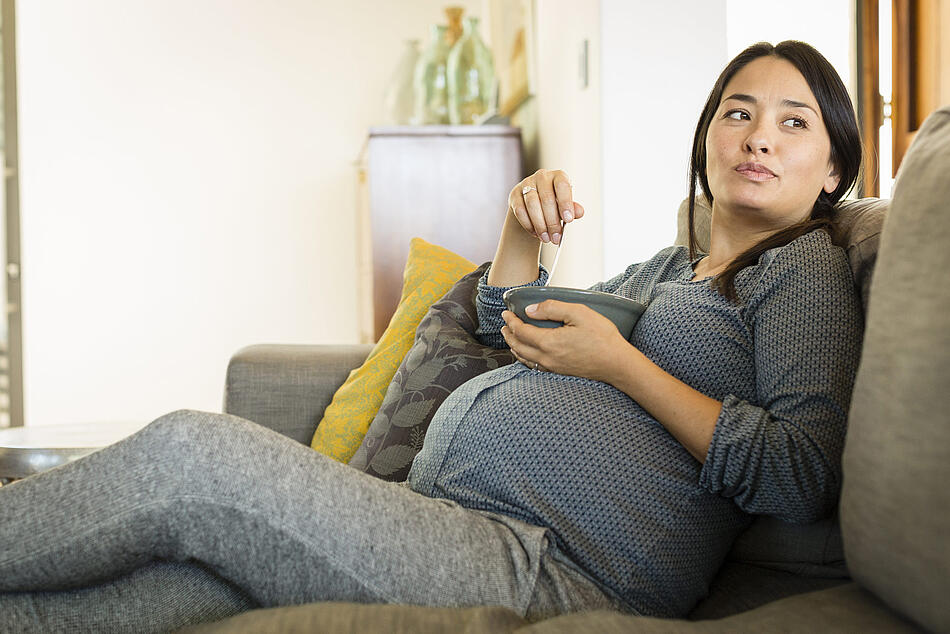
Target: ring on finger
[{"x": 528, "y": 188}]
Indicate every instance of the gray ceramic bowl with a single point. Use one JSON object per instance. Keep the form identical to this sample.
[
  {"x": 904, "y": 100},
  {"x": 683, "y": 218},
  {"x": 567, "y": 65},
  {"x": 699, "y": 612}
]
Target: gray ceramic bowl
[{"x": 620, "y": 310}]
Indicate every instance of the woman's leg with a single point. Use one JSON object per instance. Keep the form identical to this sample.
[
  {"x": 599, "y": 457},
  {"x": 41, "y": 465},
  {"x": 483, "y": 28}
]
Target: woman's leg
[
  {"x": 160, "y": 597},
  {"x": 279, "y": 521}
]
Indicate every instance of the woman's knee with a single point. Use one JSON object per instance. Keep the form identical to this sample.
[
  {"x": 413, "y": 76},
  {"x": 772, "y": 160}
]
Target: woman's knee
[
  {"x": 186, "y": 432},
  {"x": 175, "y": 427},
  {"x": 192, "y": 435}
]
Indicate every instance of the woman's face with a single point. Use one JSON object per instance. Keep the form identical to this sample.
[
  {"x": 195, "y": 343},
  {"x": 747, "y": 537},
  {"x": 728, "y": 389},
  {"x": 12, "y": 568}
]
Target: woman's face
[{"x": 767, "y": 149}]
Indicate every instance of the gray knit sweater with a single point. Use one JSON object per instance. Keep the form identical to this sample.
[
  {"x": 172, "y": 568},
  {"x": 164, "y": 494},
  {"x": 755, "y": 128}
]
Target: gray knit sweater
[{"x": 621, "y": 497}]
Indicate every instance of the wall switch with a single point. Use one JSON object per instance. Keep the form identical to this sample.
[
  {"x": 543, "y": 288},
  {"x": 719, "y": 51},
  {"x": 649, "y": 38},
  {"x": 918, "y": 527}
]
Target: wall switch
[{"x": 582, "y": 66}]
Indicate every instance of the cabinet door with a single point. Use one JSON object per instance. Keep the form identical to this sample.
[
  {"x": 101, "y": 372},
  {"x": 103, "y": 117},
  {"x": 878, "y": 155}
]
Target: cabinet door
[{"x": 445, "y": 184}]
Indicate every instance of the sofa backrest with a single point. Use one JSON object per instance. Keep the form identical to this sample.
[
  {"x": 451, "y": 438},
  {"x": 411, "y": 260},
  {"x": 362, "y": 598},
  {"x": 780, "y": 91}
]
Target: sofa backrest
[
  {"x": 859, "y": 221},
  {"x": 895, "y": 503}
]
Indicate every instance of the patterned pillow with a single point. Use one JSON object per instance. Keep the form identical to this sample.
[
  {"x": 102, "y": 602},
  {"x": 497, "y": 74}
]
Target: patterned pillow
[
  {"x": 445, "y": 354},
  {"x": 430, "y": 271}
]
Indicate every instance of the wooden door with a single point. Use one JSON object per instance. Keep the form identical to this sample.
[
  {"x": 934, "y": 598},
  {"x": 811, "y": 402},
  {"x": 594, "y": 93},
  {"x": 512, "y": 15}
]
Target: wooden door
[{"x": 920, "y": 68}]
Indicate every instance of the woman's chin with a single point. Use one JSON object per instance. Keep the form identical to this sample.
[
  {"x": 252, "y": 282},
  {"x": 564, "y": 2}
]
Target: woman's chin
[{"x": 744, "y": 204}]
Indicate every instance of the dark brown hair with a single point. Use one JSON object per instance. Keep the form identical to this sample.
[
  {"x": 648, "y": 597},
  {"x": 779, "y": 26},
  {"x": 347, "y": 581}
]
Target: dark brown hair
[{"x": 838, "y": 114}]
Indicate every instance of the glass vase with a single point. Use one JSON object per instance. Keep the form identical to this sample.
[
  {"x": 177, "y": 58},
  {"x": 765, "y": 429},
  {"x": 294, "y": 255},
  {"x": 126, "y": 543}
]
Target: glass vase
[
  {"x": 430, "y": 82},
  {"x": 471, "y": 75}
]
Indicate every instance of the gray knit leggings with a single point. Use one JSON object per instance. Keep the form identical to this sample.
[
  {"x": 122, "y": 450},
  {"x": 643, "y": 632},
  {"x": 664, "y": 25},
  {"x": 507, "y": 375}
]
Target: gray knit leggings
[{"x": 201, "y": 516}]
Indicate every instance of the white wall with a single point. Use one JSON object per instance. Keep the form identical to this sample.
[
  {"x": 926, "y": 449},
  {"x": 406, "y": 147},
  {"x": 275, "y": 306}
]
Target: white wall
[
  {"x": 771, "y": 22},
  {"x": 658, "y": 63},
  {"x": 569, "y": 128},
  {"x": 187, "y": 188}
]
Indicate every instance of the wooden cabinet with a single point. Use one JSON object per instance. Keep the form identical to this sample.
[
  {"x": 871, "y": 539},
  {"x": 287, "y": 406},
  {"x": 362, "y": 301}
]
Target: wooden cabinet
[{"x": 448, "y": 185}]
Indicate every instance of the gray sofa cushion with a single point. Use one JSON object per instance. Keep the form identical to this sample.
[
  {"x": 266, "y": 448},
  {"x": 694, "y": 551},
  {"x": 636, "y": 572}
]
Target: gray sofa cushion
[
  {"x": 894, "y": 515},
  {"x": 286, "y": 387},
  {"x": 813, "y": 550}
]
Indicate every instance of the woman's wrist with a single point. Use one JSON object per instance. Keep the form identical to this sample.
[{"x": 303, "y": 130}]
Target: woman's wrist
[
  {"x": 622, "y": 368},
  {"x": 517, "y": 257},
  {"x": 689, "y": 415}
]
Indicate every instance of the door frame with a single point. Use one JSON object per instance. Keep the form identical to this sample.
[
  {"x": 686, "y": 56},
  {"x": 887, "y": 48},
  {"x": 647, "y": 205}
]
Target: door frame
[{"x": 11, "y": 172}]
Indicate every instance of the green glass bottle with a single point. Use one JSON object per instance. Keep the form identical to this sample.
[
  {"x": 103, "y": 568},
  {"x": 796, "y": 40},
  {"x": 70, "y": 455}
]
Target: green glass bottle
[
  {"x": 471, "y": 77},
  {"x": 431, "y": 82}
]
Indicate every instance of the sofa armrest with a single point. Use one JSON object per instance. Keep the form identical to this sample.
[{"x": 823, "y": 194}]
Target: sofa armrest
[{"x": 287, "y": 387}]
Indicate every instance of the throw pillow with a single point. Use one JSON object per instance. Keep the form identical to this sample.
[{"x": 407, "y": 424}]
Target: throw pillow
[
  {"x": 430, "y": 272},
  {"x": 445, "y": 355}
]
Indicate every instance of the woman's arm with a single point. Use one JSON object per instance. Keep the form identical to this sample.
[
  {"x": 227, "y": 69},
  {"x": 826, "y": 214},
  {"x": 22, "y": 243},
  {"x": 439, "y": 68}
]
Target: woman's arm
[
  {"x": 517, "y": 256},
  {"x": 533, "y": 217},
  {"x": 781, "y": 455},
  {"x": 689, "y": 415}
]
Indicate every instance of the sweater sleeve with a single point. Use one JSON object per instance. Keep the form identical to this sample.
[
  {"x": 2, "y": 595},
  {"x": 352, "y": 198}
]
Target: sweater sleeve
[
  {"x": 782, "y": 455},
  {"x": 489, "y": 302},
  {"x": 489, "y": 306}
]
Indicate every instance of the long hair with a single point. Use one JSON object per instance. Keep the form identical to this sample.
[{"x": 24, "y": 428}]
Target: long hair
[{"x": 838, "y": 114}]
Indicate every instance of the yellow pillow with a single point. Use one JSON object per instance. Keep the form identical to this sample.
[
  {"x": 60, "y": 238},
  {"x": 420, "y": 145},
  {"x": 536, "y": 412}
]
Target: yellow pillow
[{"x": 430, "y": 273}]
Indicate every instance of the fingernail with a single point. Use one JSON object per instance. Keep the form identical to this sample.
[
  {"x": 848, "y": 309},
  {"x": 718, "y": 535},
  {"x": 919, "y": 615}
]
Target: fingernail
[
  {"x": 544, "y": 237},
  {"x": 556, "y": 238},
  {"x": 531, "y": 308},
  {"x": 568, "y": 216}
]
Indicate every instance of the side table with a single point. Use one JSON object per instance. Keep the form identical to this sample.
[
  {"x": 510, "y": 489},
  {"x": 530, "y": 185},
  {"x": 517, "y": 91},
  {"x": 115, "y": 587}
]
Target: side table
[{"x": 25, "y": 451}]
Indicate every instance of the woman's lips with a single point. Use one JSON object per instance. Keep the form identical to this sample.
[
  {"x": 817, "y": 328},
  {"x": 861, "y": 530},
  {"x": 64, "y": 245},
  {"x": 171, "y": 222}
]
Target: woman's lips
[{"x": 755, "y": 172}]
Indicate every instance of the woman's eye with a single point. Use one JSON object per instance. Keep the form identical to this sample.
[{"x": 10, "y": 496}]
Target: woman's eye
[
  {"x": 796, "y": 122},
  {"x": 736, "y": 114}
]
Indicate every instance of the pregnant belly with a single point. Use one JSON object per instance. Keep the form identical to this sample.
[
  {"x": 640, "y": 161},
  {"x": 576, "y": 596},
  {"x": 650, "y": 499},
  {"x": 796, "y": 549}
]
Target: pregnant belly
[
  {"x": 618, "y": 492},
  {"x": 551, "y": 441}
]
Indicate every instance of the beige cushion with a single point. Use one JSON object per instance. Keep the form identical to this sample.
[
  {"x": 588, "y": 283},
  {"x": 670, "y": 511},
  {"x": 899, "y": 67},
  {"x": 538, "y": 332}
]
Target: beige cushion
[
  {"x": 860, "y": 220},
  {"x": 895, "y": 506},
  {"x": 844, "y": 609}
]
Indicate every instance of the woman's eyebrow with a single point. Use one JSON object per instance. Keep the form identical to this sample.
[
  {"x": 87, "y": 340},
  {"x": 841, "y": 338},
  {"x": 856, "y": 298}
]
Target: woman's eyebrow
[{"x": 785, "y": 102}]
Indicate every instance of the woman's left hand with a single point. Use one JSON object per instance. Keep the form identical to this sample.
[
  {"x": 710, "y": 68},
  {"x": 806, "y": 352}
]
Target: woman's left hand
[{"x": 587, "y": 345}]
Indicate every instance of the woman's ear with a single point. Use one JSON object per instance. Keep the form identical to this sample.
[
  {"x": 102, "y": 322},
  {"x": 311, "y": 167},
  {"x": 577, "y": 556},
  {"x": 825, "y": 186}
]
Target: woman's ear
[{"x": 832, "y": 179}]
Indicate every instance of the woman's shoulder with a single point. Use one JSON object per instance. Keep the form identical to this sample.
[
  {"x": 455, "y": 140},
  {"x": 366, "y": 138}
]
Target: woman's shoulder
[
  {"x": 665, "y": 259},
  {"x": 675, "y": 253},
  {"x": 667, "y": 262},
  {"x": 812, "y": 253},
  {"x": 811, "y": 260},
  {"x": 665, "y": 265}
]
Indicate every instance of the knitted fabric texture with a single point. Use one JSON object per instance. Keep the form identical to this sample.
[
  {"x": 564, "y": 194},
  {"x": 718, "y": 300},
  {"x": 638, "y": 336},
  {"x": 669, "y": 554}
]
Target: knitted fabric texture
[{"x": 620, "y": 496}]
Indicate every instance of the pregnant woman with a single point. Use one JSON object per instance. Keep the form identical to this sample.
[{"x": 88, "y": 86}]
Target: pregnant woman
[{"x": 597, "y": 473}]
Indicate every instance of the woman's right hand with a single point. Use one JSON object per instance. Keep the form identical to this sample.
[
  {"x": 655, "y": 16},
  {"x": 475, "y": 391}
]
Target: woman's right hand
[{"x": 541, "y": 209}]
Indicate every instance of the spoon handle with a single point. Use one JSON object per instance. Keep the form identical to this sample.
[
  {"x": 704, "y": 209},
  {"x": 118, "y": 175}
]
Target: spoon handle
[{"x": 557, "y": 254}]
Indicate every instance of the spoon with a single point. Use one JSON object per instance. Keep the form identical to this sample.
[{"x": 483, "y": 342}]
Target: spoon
[{"x": 557, "y": 254}]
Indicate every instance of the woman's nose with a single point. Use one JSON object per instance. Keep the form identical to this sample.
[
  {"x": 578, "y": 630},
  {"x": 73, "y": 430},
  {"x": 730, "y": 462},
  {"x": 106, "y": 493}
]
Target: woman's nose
[{"x": 758, "y": 140}]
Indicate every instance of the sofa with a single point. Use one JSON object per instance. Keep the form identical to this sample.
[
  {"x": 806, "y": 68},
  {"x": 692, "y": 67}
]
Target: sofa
[{"x": 882, "y": 564}]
